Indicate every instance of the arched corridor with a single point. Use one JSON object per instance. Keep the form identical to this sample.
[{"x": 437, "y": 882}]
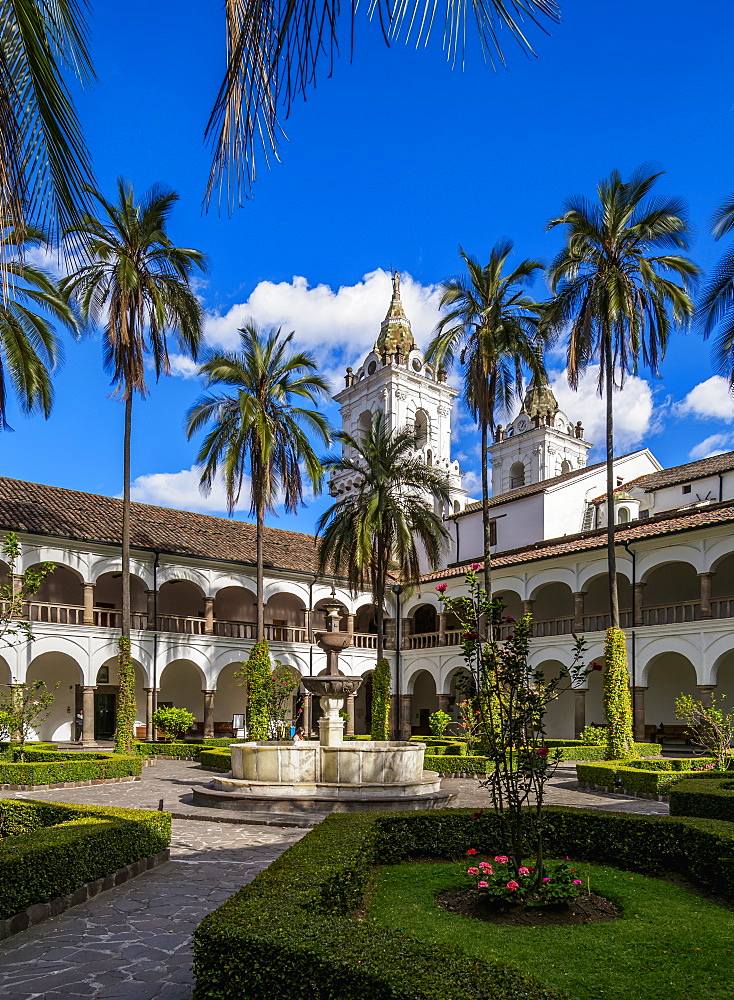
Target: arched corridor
[{"x": 61, "y": 674}]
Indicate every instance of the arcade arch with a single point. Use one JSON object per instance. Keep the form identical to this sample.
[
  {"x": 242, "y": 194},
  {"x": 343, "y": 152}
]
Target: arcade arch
[
  {"x": 182, "y": 685},
  {"x": 423, "y": 702},
  {"x": 61, "y": 675},
  {"x": 668, "y": 676},
  {"x": 560, "y": 713},
  {"x": 553, "y": 609}
]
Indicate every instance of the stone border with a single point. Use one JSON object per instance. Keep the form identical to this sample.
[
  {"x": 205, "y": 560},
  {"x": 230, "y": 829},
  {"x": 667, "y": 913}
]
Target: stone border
[
  {"x": 70, "y": 784},
  {"x": 42, "y": 911},
  {"x": 590, "y": 786}
]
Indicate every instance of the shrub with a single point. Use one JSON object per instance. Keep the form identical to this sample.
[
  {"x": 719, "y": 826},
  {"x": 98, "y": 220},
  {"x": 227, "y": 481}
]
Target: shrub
[
  {"x": 617, "y": 703},
  {"x": 52, "y": 769},
  {"x": 216, "y": 759},
  {"x": 184, "y": 751},
  {"x": 456, "y": 765},
  {"x": 381, "y": 679},
  {"x": 577, "y": 751},
  {"x": 712, "y": 797},
  {"x": 456, "y": 750},
  {"x": 593, "y": 736},
  {"x": 439, "y": 723},
  {"x": 291, "y": 932},
  {"x": 633, "y": 778},
  {"x": 257, "y": 685},
  {"x": 51, "y": 849},
  {"x": 173, "y": 722},
  {"x": 126, "y": 707}
]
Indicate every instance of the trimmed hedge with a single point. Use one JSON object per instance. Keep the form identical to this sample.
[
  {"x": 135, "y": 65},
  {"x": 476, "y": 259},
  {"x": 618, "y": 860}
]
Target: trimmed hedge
[
  {"x": 713, "y": 799},
  {"x": 632, "y": 778},
  {"x": 216, "y": 759},
  {"x": 54, "y": 768},
  {"x": 576, "y": 750},
  {"x": 183, "y": 751},
  {"x": 445, "y": 764},
  {"x": 291, "y": 932},
  {"x": 51, "y": 849}
]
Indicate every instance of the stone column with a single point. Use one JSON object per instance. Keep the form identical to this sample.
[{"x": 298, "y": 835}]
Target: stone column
[
  {"x": 637, "y": 618},
  {"x": 350, "y": 624},
  {"x": 152, "y": 623},
  {"x": 88, "y": 715},
  {"x": 394, "y": 717},
  {"x": 208, "y": 713},
  {"x": 579, "y": 718},
  {"x": 578, "y": 611},
  {"x": 406, "y": 630},
  {"x": 638, "y": 701},
  {"x": 307, "y": 623},
  {"x": 705, "y": 691},
  {"x": 350, "y": 715},
  {"x": 705, "y": 579},
  {"x": 307, "y": 711},
  {"x": 527, "y": 607},
  {"x": 406, "y": 702},
  {"x": 389, "y": 633},
  {"x": 208, "y": 616},
  {"x": 88, "y": 604},
  {"x": 149, "y": 710},
  {"x": 443, "y": 703},
  {"x": 17, "y": 585},
  {"x": 442, "y": 616}
]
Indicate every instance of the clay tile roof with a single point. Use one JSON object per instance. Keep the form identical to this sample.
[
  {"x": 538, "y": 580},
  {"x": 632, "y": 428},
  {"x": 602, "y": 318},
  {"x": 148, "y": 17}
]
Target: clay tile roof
[
  {"x": 665, "y": 524},
  {"x": 51, "y": 510},
  {"x": 689, "y": 472}
]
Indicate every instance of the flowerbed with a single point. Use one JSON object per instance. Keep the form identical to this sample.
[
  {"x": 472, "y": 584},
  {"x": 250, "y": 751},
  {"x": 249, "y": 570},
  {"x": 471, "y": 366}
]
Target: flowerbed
[
  {"x": 291, "y": 931},
  {"x": 51, "y": 849}
]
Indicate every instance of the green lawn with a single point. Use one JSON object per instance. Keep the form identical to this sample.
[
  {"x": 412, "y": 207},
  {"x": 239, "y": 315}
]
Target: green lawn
[{"x": 669, "y": 944}]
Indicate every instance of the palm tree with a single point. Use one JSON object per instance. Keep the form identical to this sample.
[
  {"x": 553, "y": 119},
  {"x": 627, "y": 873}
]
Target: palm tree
[
  {"x": 274, "y": 52},
  {"x": 28, "y": 343},
  {"x": 716, "y": 305},
  {"x": 618, "y": 294},
  {"x": 44, "y": 163},
  {"x": 493, "y": 326},
  {"x": 259, "y": 429},
  {"x": 136, "y": 279},
  {"x": 380, "y": 525}
]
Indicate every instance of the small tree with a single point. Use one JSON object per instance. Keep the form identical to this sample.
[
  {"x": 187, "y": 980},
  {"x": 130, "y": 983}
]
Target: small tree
[
  {"x": 711, "y": 729},
  {"x": 282, "y": 687},
  {"x": 256, "y": 682},
  {"x": 173, "y": 722},
  {"x": 617, "y": 702},
  {"x": 24, "y": 709},
  {"x": 381, "y": 679},
  {"x": 511, "y": 699},
  {"x": 438, "y": 723}
]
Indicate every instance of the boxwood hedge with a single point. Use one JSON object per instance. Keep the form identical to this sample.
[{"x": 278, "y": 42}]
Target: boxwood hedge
[
  {"x": 633, "y": 776},
  {"x": 51, "y": 849},
  {"x": 216, "y": 759},
  {"x": 51, "y": 768},
  {"x": 292, "y": 932},
  {"x": 712, "y": 797},
  {"x": 185, "y": 751}
]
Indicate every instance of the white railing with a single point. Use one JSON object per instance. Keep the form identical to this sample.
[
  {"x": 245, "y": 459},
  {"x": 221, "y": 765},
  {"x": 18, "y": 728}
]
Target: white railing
[
  {"x": 672, "y": 614},
  {"x": 112, "y": 618},
  {"x": 364, "y": 640},
  {"x": 182, "y": 623},
  {"x": 55, "y": 614},
  {"x": 286, "y": 633},
  {"x": 423, "y": 640}
]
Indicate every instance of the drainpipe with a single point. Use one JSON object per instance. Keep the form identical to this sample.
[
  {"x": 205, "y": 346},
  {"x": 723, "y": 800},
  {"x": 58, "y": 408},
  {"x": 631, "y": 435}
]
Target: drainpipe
[
  {"x": 397, "y": 589},
  {"x": 155, "y": 637},
  {"x": 631, "y": 554}
]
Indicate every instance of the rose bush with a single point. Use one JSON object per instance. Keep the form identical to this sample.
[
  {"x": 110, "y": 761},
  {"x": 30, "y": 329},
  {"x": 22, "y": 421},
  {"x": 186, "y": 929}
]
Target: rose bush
[{"x": 497, "y": 880}]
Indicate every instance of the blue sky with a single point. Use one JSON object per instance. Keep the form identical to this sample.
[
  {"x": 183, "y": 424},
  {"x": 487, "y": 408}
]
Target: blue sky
[{"x": 393, "y": 162}]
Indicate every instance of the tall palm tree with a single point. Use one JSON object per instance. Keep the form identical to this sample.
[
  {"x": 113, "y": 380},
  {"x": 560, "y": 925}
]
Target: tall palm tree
[
  {"x": 493, "y": 326},
  {"x": 618, "y": 294},
  {"x": 259, "y": 428},
  {"x": 716, "y": 305},
  {"x": 44, "y": 163},
  {"x": 28, "y": 342},
  {"x": 380, "y": 525},
  {"x": 136, "y": 282},
  {"x": 274, "y": 52}
]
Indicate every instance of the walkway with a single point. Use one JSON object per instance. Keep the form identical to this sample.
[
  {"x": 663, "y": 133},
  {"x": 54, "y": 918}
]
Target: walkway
[{"x": 134, "y": 942}]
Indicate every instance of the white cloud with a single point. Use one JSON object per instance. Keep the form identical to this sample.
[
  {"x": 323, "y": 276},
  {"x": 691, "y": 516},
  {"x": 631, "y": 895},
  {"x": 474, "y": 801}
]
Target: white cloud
[
  {"x": 472, "y": 483},
  {"x": 337, "y": 325},
  {"x": 709, "y": 400},
  {"x": 183, "y": 366},
  {"x": 633, "y": 408},
  {"x": 716, "y": 444},
  {"x": 180, "y": 490}
]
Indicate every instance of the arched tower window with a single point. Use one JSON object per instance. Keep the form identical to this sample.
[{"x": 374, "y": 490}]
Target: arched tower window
[
  {"x": 421, "y": 429},
  {"x": 517, "y": 475},
  {"x": 565, "y": 467},
  {"x": 623, "y": 515},
  {"x": 429, "y": 457}
]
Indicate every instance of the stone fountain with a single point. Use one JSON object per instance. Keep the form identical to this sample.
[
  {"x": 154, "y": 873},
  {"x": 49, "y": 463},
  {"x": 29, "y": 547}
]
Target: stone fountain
[{"x": 331, "y": 775}]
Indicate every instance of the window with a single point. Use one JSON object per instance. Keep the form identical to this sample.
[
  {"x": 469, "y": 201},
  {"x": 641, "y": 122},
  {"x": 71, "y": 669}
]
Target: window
[
  {"x": 517, "y": 476},
  {"x": 619, "y": 480},
  {"x": 421, "y": 428},
  {"x": 644, "y": 514},
  {"x": 687, "y": 489},
  {"x": 565, "y": 467},
  {"x": 623, "y": 515},
  {"x": 492, "y": 532}
]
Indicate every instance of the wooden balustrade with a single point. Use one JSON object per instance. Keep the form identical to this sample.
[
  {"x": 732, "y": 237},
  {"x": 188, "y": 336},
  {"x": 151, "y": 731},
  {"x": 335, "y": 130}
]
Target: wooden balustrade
[
  {"x": 553, "y": 626},
  {"x": 364, "y": 640},
  {"x": 723, "y": 608},
  {"x": 286, "y": 633},
  {"x": 600, "y": 623},
  {"x": 54, "y": 614},
  {"x": 182, "y": 623}
]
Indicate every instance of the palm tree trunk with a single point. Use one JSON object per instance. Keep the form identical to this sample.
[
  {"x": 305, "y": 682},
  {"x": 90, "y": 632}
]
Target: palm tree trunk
[
  {"x": 485, "y": 516},
  {"x": 259, "y": 586},
  {"x": 611, "y": 553},
  {"x": 126, "y": 622}
]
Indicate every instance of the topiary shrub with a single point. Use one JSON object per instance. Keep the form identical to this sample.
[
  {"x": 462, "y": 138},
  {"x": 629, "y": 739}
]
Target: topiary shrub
[
  {"x": 617, "y": 705},
  {"x": 173, "y": 722},
  {"x": 126, "y": 707},
  {"x": 381, "y": 680},
  {"x": 438, "y": 723},
  {"x": 257, "y": 674}
]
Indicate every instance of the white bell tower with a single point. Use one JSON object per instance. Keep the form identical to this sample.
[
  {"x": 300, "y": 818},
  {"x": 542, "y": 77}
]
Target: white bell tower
[
  {"x": 539, "y": 444},
  {"x": 396, "y": 379}
]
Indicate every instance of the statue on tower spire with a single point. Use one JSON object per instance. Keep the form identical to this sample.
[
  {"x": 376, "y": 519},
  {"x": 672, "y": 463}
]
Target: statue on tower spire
[{"x": 396, "y": 336}]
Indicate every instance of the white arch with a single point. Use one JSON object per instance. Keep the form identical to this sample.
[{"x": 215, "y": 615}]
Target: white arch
[
  {"x": 561, "y": 653},
  {"x": 221, "y": 582},
  {"x": 103, "y": 654},
  {"x": 448, "y": 671},
  {"x": 431, "y": 666},
  {"x": 671, "y": 643},
  {"x": 587, "y": 574},
  {"x": 77, "y": 562},
  {"x": 671, "y": 553},
  {"x": 274, "y": 587},
  {"x": 170, "y": 574},
  {"x": 718, "y": 551},
  {"x": 558, "y": 575},
  {"x": 99, "y": 565},
  {"x": 429, "y": 597},
  {"x": 185, "y": 659}
]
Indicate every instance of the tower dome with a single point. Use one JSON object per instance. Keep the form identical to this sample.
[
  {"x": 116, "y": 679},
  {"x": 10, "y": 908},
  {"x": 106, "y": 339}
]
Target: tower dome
[{"x": 396, "y": 335}]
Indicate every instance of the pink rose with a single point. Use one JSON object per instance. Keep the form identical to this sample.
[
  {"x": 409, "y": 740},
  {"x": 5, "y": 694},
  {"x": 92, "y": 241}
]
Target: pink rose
[
  {"x": 482, "y": 885},
  {"x": 542, "y": 751},
  {"x": 546, "y": 879},
  {"x": 475, "y": 566},
  {"x": 513, "y": 885},
  {"x": 524, "y": 871},
  {"x": 442, "y": 588},
  {"x": 577, "y": 881},
  {"x": 501, "y": 859},
  {"x": 510, "y": 620},
  {"x": 472, "y": 871}
]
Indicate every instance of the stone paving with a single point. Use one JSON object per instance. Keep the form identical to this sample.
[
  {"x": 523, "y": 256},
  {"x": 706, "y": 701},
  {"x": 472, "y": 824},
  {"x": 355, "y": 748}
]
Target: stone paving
[{"x": 134, "y": 942}]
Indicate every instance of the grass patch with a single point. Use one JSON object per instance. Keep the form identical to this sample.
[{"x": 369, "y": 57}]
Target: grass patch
[{"x": 669, "y": 944}]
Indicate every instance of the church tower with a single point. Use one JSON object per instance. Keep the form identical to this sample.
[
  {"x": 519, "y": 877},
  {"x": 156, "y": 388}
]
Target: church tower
[
  {"x": 395, "y": 378},
  {"x": 539, "y": 444}
]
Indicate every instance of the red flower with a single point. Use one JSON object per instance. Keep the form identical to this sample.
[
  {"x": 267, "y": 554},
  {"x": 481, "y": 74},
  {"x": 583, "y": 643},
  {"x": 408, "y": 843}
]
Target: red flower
[
  {"x": 471, "y": 850},
  {"x": 510, "y": 620},
  {"x": 477, "y": 814},
  {"x": 542, "y": 751},
  {"x": 469, "y": 637},
  {"x": 475, "y": 566},
  {"x": 442, "y": 587},
  {"x": 596, "y": 666}
]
